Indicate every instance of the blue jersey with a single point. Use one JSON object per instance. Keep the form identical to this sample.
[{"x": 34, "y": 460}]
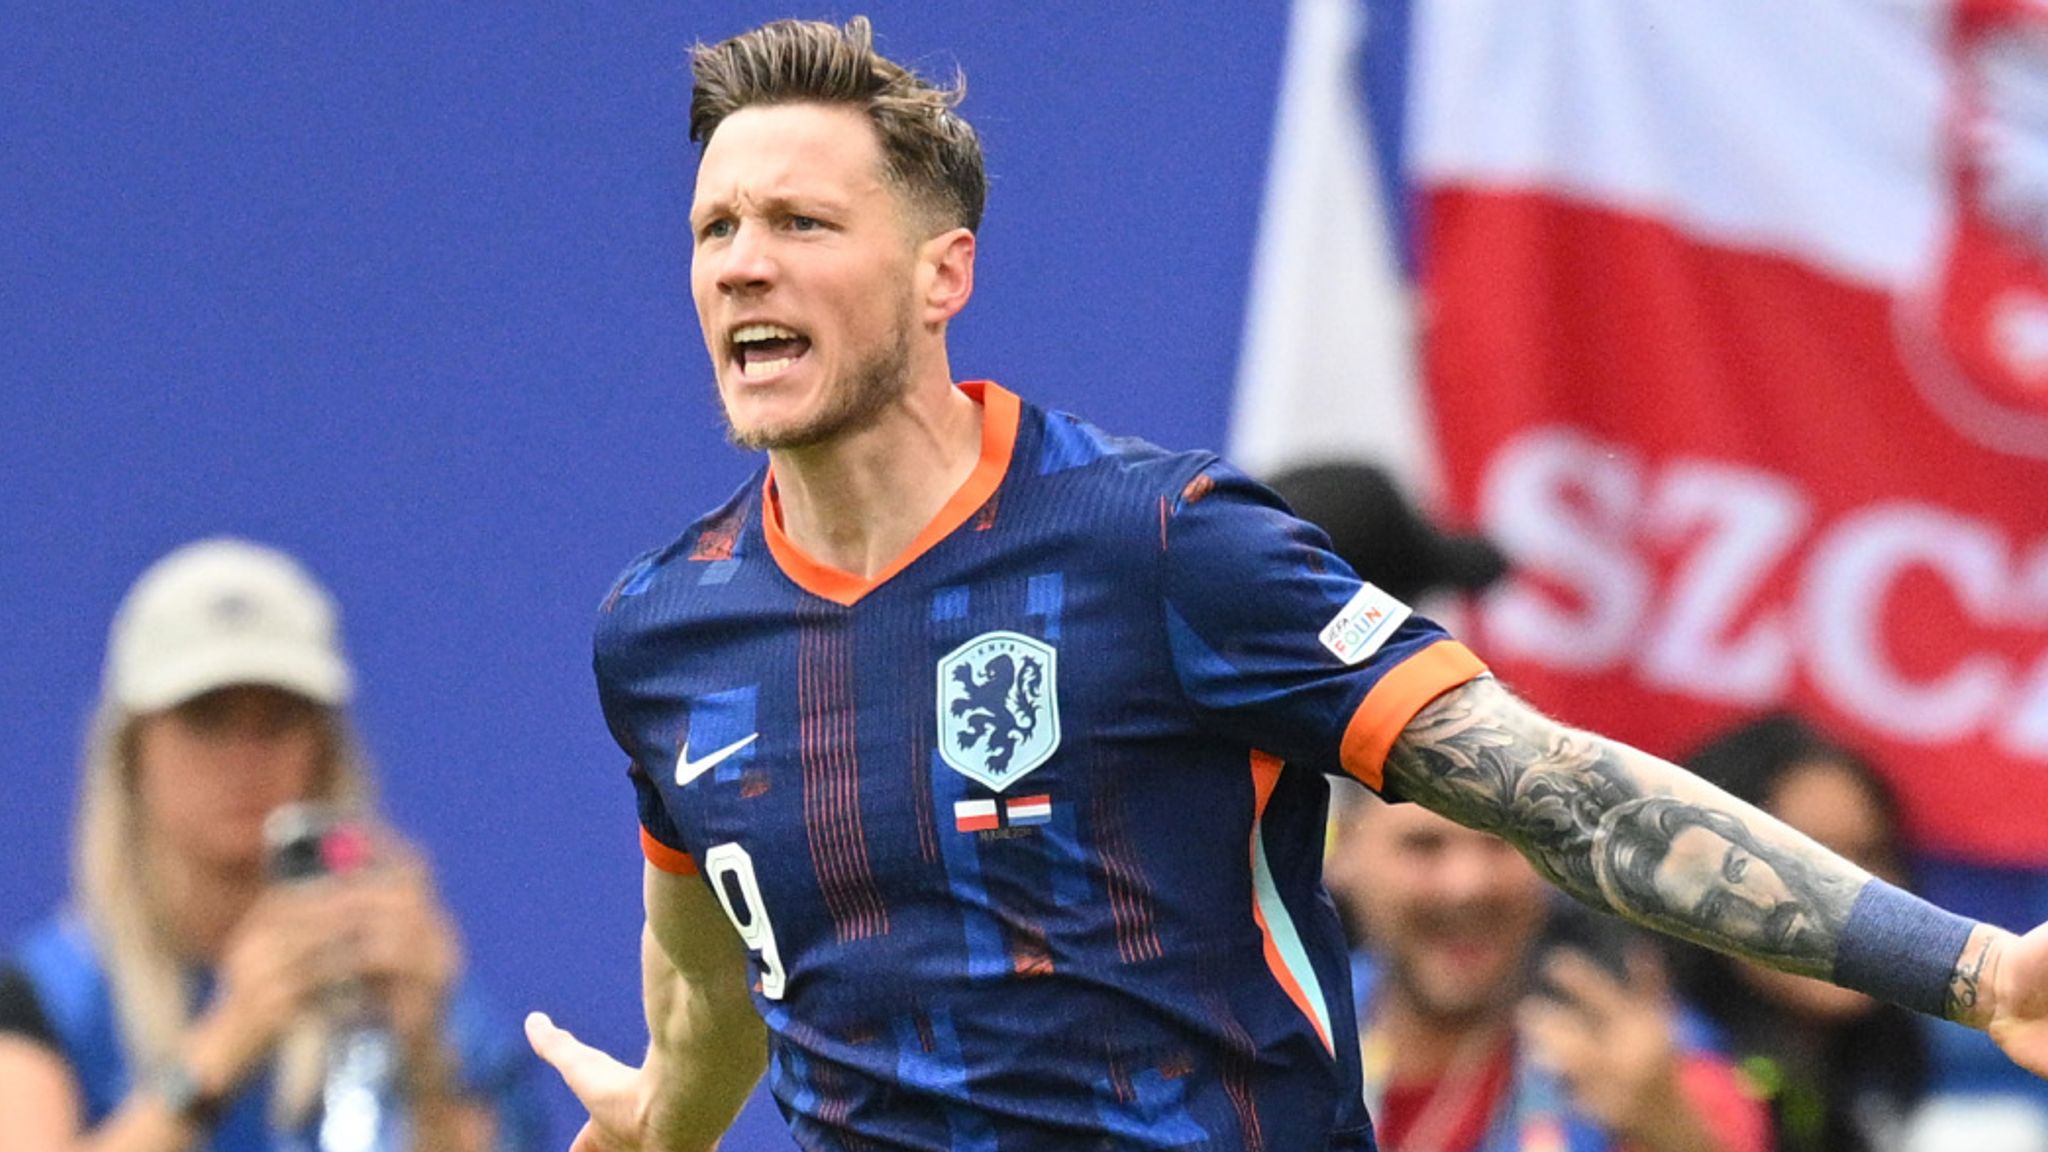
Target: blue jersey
[{"x": 1025, "y": 834}]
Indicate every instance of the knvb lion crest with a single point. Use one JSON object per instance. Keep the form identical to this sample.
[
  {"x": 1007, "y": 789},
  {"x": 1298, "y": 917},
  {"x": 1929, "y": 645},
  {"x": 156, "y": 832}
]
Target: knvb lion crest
[{"x": 999, "y": 714}]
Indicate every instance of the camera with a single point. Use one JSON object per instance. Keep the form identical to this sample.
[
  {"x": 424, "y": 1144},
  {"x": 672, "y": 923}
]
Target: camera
[{"x": 309, "y": 839}]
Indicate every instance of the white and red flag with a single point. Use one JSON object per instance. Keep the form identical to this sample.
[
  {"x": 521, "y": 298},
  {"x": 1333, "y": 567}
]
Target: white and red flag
[
  {"x": 1738, "y": 341},
  {"x": 1733, "y": 323}
]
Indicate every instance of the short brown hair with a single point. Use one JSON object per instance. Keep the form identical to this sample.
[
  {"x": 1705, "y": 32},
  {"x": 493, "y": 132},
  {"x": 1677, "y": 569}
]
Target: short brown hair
[{"x": 930, "y": 153}]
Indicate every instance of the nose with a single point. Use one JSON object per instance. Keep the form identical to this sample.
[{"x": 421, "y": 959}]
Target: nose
[
  {"x": 747, "y": 264},
  {"x": 1470, "y": 873}
]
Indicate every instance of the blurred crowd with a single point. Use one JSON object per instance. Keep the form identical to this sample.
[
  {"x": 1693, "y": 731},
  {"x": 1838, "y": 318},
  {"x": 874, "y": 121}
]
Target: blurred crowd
[{"x": 1495, "y": 1013}]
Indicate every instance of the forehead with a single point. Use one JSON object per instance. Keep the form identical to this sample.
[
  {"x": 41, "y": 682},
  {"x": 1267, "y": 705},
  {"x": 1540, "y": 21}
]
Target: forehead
[
  {"x": 1821, "y": 786},
  {"x": 1694, "y": 842},
  {"x": 1831, "y": 803},
  {"x": 1392, "y": 825},
  {"x": 790, "y": 152}
]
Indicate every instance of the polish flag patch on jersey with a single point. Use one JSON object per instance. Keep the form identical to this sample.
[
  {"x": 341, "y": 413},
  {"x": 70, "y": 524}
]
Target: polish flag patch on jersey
[
  {"x": 1029, "y": 810},
  {"x": 1363, "y": 625},
  {"x": 975, "y": 815}
]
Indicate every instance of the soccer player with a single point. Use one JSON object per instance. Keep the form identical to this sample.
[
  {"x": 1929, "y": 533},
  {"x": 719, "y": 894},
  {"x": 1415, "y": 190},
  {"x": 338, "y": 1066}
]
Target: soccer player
[{"x": 981, "y": 755}]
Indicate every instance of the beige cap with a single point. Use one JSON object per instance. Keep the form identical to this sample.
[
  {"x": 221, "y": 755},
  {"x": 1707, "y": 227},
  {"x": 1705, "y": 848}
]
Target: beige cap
[{"x": 218, "y": 613}]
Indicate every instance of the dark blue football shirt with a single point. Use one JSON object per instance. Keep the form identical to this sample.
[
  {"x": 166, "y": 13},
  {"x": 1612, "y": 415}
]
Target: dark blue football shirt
[{"x": 1025, "y": 835}]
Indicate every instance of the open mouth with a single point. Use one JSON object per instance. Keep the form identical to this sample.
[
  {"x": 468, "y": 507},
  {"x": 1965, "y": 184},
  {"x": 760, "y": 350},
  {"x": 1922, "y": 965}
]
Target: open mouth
[{"x": 762, "y": 350}]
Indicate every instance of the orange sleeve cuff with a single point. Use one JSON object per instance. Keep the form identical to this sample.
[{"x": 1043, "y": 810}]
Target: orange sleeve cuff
[
  {"x": 667, "y": 859},
  {"x": 1395, "y": 700}
]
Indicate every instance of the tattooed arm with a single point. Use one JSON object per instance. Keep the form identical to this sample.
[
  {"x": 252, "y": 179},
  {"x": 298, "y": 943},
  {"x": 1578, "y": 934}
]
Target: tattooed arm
[{"x": 1624, "y": 831}]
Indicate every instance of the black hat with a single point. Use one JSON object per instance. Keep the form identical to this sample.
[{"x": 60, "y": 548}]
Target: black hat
[{"x": 1374, "y": 528}]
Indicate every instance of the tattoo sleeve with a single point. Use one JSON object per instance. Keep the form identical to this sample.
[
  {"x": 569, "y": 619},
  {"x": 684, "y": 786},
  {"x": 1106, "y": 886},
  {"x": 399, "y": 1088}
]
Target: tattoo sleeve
[
  {"x": 1626, "y": 832},
  {"x": 1965, "y": 1000}
]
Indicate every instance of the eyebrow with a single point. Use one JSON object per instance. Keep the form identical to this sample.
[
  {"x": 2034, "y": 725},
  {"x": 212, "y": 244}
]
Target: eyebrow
[{"x": 778, "y": 204}]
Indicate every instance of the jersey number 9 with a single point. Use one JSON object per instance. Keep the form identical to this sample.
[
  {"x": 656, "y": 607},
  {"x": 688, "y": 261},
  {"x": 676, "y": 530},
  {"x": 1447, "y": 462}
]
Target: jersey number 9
[{"x": 731, "y": 872}]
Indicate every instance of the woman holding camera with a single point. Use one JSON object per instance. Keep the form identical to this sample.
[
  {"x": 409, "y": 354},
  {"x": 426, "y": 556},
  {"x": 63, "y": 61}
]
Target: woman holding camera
[{"x": 184, "y": 998}]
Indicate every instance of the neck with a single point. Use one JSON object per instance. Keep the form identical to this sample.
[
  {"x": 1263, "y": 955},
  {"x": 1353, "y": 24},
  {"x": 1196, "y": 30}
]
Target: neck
[
  {"x": 857, "y": 502},
  {"x": 201, "y": 903},
  {"x": 1423, "y": 1045}
]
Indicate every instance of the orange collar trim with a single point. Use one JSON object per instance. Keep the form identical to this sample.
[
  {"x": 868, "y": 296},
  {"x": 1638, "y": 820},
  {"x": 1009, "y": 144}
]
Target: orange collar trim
[{"x": 1001, "y": 413}]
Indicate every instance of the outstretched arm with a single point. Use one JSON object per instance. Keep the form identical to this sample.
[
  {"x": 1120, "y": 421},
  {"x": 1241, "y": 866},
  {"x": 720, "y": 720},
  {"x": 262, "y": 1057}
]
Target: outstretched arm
[
  {"x": 707, "y": 1045},
  {"x": 1629, "y": 833}
]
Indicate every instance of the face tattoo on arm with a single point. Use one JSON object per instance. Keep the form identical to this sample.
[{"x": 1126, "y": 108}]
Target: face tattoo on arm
[{"x": 1623, "y": 831}]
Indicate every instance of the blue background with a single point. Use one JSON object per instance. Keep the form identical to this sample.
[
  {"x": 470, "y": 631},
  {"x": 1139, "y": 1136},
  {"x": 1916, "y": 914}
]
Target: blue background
[{"x": 403, "y": 288}]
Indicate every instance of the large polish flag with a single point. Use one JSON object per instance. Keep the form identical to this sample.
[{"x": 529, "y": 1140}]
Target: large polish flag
[
  {"x": 1327, "y": 366},
  {"x": 1737, "y": 338}
]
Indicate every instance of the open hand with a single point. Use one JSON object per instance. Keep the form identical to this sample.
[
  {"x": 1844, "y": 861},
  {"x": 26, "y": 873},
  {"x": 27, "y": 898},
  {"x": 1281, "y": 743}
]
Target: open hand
[
  {"x": 275, "y": 967},
  {"x": 611, "y": 1092},
  {"x": 1610, "y": 1041}
]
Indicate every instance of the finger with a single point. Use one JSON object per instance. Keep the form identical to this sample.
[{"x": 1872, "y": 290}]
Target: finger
[
  {"x": 583, "y": 1068},
  {"x": 288, "y": 951},
  {"x": 385, "y": 888},
  {"x": 544, "y": 1037},
  {"x": 1590, "y": 987},
  {"x": 289, "y": 911},
  {"x": 1558, "y": 1037},
  {"x": 393, "y": 851},
  {"x": 1647, "y": 976},
  {"x": 402, "y": 935},
  {"x": 1538, "y": 1025}
]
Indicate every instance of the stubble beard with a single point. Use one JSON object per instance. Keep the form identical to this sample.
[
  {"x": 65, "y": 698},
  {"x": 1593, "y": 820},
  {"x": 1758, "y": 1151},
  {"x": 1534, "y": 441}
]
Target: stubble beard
[
  {"x": 1452, "y": 1011},
  {"x": 1455, "y": 1005},
  {"x": 851, "y": 402}
]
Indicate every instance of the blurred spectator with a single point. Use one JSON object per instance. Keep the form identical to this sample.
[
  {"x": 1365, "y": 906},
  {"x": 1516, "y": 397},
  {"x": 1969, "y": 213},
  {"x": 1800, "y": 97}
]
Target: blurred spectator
[
  {"x": 1453, "y": 921},
  {"x": 1842, "y": 1072},
  {"x": 1376, "y": 530},
  {"x": 176, "y": 1003}
]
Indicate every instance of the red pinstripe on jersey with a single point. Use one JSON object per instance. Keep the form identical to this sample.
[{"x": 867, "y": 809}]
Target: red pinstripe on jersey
[
  {"x": 831, "y": 763},
  {"x": 1130, "y": 893},
  {"x": 1240, "y": 1053},
  {"x": 921, "y": 792}
]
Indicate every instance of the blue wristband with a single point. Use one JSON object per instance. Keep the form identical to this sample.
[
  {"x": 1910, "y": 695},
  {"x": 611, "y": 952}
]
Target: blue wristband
[{"x": 1900, "y": 948}]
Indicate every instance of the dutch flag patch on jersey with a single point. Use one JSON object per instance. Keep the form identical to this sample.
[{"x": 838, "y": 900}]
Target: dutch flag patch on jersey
[{"x": 1029, "y": 810}]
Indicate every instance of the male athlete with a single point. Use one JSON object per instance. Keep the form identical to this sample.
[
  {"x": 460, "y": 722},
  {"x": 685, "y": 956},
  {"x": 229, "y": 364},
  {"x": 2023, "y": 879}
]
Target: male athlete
[{"x": 981, "y": 756}]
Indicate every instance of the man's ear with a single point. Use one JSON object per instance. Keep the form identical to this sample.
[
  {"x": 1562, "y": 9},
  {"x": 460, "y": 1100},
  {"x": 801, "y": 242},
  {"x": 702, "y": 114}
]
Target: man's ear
[{"x": 946, "y": 275}]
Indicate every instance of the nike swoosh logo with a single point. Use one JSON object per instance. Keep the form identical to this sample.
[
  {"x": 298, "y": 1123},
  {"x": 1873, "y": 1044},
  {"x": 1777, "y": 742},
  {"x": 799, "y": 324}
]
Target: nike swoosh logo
[{"x": 688, "y": 769}]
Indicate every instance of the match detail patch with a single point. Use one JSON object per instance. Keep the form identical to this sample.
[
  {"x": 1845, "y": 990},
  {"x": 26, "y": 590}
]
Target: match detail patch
[{"x": 1363, "y": 625}]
